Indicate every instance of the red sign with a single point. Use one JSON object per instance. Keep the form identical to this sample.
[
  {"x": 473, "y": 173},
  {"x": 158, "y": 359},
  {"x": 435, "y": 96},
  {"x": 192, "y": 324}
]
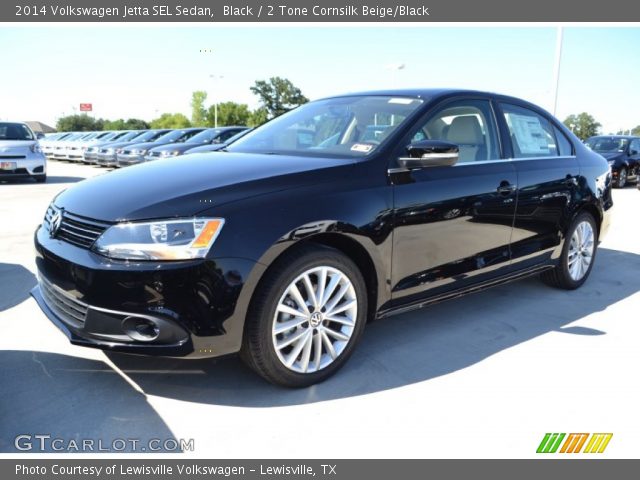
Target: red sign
[{"x": 86, "y": 107}]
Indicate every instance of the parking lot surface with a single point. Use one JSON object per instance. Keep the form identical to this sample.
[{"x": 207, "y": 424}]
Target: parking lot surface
[{"x": 486, "y": 375}]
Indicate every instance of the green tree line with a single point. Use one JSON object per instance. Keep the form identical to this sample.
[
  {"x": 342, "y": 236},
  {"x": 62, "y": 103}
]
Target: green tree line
[{"x": 276, "y": 96}]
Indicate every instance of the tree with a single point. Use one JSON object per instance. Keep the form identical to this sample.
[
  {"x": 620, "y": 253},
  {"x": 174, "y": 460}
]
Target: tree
[
  {"x": 171, "y": 120},
  {"x": 636, "y": 130},
  {"x": 258, "y": 117},
  {"x": 229, "y": 113},
  {"x": 79, "y": 123},
  {"x": 278, "y": 95},
  {"x": 583, "y": 125},
  {"x": 129, "y": 124},
  {"x": 198, "y": 112}
]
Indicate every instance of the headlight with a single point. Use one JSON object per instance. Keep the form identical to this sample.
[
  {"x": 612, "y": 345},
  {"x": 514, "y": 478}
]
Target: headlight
[
  {"x": 140, "y": 152},
  {"x": 168, "y": 153},
  {"x": 161, "y": 240},
  {"x": 611, "y": 162},
  {"x": 109, "y": 151},
  {"x": 119, "y": 150},
  {"x": 35, "y": 148}
]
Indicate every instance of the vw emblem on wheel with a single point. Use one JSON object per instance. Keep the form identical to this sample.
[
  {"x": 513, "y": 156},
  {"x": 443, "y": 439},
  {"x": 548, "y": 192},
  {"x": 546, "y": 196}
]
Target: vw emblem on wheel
[{"x": 54, "y": 223}]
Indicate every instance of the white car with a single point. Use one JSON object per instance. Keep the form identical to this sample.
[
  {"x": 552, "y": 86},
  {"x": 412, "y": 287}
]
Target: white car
[{"x": 20, "y": 154}]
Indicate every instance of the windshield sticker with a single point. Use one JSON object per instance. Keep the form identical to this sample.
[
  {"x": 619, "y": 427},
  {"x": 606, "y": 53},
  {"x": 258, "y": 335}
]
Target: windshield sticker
[{"x": 361, "y": 147}]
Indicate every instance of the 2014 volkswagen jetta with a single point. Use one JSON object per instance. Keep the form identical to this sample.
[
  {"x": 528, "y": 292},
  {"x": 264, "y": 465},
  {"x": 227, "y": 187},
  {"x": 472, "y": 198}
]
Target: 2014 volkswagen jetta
[{"x": 342, "y": 211}]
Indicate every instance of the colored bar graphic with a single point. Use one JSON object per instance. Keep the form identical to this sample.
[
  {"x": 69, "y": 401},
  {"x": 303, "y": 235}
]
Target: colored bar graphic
[
  {"x": 573, "y": 444},
  {"x": 598, "y": 442},
  {"x": 550, "y": 442}
]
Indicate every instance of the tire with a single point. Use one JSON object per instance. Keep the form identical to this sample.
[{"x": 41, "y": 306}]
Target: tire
[
  {"x": 310, "y": 332},
  {"x": 622, "y": 178},
  {"x": 580, "y": 247},
  {"x": 40, "y": 178}
]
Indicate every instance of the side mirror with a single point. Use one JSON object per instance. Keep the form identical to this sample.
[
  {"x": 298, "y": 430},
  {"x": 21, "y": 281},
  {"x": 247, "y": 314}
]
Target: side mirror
[
  {"x": 430, "y": 153},
  {"x": 633, "y": 152},
  {"x": 39, "y": 136}
]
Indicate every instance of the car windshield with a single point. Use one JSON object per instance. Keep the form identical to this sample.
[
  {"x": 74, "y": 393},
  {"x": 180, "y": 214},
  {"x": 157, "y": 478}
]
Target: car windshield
[
  {"x": 205, "y": 136},
  {"x": 238, "y": 136},
  {"x": 607, "y": 144},
  {"x": 172, "y": 136},
  {"x": 344, "y": 127},
  {"x": 129, "y": 136},
  {"x": 15, "y": 131}
]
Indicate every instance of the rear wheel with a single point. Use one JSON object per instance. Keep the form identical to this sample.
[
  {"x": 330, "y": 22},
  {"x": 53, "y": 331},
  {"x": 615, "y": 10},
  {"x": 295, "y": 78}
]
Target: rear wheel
[
  {"x": 578, "y": 254},
  {"x": 306, "y": 318}
]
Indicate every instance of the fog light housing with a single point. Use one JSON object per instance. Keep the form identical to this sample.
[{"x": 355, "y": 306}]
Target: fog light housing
[{"x": 141, "y": 329}]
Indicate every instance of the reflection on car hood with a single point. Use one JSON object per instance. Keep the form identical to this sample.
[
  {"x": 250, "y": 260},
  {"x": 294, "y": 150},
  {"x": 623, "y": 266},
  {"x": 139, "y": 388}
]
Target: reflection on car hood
[
  {"x": 170, "y": 188},
  {"x": 207, "y": 148},
  {"x": 612, "y": 155},
  {"x": 181, "y": 147}
]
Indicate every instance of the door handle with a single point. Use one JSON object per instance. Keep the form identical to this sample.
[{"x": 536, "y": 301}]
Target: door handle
[{"x": 505, "y": 189}]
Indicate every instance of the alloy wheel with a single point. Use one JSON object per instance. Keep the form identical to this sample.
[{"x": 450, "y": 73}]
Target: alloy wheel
[
  {"x": 581, "y": 251},
  {"x": 314, "y": 319}
]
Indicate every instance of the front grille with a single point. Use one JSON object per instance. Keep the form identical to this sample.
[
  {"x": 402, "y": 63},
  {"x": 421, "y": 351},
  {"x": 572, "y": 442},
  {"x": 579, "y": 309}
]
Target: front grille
[
  {"x": 76, "y": 230},
  {"x": 68, "y": 308},
  {"x": 155, "y": 154},
  {"x": 126, "y": 152}
]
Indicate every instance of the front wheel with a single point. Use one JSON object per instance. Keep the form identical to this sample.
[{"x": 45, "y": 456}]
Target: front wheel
[
  {"x": 578, "y": 254},
  {"x": 306, "y": 318},
  {"x": 622, "y": 178}
]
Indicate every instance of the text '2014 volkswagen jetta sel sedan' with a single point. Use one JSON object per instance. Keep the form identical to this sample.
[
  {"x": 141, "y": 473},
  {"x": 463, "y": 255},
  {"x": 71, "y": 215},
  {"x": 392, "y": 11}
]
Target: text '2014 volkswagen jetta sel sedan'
[{"x": 283, "y": 245}]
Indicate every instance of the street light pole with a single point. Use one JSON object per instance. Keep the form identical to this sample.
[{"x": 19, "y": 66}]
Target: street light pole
[
  {"x": 556, "y": 72},
  {"x": 215, "y": 100}
]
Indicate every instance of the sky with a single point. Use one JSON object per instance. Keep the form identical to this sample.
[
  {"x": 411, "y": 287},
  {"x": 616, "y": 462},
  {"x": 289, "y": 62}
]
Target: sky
[{"x": 143, "y": 71}]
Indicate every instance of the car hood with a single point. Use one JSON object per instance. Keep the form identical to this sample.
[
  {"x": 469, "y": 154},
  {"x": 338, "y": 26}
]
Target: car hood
[
  {"x": 207, "y": 148},
  {"x": 170, "y": 147},
  {"x": 15, "y": 147},
  {"x": 167, "y": 188}
]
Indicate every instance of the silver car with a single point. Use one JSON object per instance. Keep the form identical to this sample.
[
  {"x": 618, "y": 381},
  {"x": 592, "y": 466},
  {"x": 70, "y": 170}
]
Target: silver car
[{"x": 20, "y": 153}]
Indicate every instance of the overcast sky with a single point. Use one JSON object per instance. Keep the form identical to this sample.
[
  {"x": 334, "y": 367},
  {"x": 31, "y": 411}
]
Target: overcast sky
[{"x": 135, "y": 71}]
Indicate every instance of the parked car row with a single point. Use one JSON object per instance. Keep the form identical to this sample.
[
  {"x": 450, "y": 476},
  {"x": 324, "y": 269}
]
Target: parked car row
[
  {"x": 622, "y": 152},
  {"x": 128, "y": 147}
]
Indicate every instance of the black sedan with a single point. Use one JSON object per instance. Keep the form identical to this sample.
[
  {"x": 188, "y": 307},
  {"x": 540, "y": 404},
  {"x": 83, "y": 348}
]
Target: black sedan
[
  {"x": 342, "y": 211},
  {"x": 210, "y": 137},
  {"x": 623, "y": 155}
]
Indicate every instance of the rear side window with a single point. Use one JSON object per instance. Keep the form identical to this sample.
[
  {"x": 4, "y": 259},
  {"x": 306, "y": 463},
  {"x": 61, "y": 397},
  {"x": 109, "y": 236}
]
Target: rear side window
[
  {"x": 532, "y": 135},
  {"x": 564, "y": 145}
]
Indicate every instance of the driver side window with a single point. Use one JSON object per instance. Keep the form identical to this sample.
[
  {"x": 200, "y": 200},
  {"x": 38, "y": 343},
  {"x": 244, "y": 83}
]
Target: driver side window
[{"x": 469, "y": 124}]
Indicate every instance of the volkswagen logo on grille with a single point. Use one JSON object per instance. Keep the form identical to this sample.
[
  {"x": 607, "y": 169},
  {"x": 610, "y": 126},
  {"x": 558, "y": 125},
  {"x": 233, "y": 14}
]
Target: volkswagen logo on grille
[{"x": 54, "y": 223}]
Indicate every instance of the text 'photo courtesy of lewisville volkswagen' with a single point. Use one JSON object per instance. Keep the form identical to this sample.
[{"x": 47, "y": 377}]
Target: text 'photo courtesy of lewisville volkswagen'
[{"x": 343, "y": 211}]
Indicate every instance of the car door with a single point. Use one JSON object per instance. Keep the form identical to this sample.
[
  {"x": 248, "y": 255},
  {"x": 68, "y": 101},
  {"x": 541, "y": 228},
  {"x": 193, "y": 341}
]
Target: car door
[
  {"x": 548, "y": 175},
  {"x": 452, "y": 224}
]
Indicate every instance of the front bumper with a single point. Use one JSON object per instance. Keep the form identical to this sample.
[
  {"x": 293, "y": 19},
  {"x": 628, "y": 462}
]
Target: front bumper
[
  {"x": 90, "y": 156},
  {"x": 125, "y": 159},
  {"x": 31, "y": 166},
  {"x": 101, "y": 303},
  {"x": 107, "y": 159},
  {"x": 75, "y": 155}
]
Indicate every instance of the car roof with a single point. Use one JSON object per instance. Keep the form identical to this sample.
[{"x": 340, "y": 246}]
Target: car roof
[
  {"x": 417, "y": 93},
  {"x": 628, "y": 137}
]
